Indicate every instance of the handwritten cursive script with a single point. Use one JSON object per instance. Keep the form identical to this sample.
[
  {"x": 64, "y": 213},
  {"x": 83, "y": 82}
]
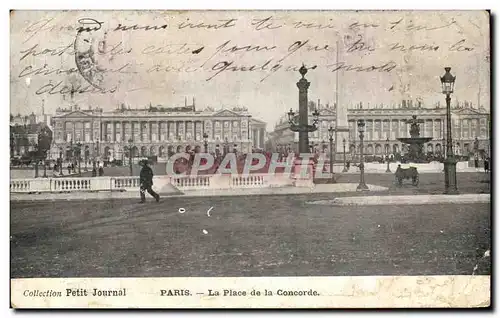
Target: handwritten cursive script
[
  {"x": 63, "y": 89},
  {"x": 89, "y": 25},
  {"x": 342, "y": 66}
]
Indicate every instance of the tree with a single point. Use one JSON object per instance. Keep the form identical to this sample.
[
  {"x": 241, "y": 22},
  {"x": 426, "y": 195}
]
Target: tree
[
  {"x": 44, "y": 142},
  {"x": 42, "y": 147},
  {"x": 12, "y": 144}
]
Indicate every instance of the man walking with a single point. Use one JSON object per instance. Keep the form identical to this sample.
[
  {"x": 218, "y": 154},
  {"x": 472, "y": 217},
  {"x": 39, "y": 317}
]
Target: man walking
[
  {"x": 486, "y": 164},
  {"x": 146, "y": 180}
]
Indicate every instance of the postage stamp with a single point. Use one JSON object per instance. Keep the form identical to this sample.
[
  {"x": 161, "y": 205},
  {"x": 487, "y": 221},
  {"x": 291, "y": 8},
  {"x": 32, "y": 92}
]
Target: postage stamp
[{"x": 250, "y": 159}]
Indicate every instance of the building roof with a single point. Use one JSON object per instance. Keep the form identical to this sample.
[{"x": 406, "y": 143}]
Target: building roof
[
  {"x": 179, "y": 111},
  {"x": 257, "y": 121}
]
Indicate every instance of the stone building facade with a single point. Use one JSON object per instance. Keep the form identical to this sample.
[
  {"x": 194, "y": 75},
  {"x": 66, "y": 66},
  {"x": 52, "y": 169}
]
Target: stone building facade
[
  {"x": 154, "y": 131},
  {"x": 384, "y": 123}
]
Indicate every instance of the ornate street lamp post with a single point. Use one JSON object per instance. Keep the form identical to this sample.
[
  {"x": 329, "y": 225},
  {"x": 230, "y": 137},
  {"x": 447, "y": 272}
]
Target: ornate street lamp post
[
  {"x": 362, "y": 185},
  {"x": 476, "y": 153},
  {"x": 345, "y": 165},
  {"x": 60, "y": 161},
  {"x": 86, "y": 156},
  {"x": 226, "y": 146},
  {"x": 79, "y": 157},
  {"x": 205, "y": 141},
  {"x": 450, "y": 164},
  {"x": 45, "y": 168},
  {"x": 330, "y": 135},
  {"x": 69, "y": 151},
  {"x": 94, "y": 158},
  {"x": 443, "y": 151},
  {"x": 35, "y": 158},
  {"x": 387, "y": 155},
  {"x": 130, "y": 154},
  {"x": 303, "y": 127}
]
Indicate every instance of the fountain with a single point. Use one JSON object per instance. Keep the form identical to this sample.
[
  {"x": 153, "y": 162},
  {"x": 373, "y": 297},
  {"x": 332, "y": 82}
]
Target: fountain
[{"x": 415, "y": 142}]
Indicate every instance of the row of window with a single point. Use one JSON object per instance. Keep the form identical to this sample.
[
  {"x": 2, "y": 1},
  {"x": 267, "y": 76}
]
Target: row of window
[
  {"x": 80, "y": 125},
  {"x": 137, "y": 129},
  {"x": 154, "y": 137}
]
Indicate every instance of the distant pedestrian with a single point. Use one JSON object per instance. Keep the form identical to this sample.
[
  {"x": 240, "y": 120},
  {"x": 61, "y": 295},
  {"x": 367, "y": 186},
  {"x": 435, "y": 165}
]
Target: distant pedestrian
[
  {"x": 486, "y": 164},
  {"x": 69, "y": 168},
  {"x": 101, "y": 171},
  {"x": 146, "y": 181}
]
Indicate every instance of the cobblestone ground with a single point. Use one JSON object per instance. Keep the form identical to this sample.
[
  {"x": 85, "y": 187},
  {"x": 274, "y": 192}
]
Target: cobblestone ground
[{"x": 246, "y": 236}]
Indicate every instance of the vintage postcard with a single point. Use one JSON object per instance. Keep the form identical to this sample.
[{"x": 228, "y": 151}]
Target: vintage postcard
[{"x": 250, "y": 159}]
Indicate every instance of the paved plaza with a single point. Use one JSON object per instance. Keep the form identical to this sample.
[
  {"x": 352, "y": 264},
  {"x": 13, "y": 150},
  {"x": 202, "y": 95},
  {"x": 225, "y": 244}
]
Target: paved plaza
[
  {"x": 246, "y": 236},
  {"x": 258, "y": 235}
]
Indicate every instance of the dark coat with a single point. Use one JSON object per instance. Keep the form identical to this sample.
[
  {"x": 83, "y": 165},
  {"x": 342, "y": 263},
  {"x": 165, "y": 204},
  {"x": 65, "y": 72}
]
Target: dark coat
[{"x": 146, "y": 176}]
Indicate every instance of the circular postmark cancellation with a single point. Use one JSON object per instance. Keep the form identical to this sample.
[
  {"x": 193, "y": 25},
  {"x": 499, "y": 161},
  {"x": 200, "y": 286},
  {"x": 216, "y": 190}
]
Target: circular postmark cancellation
[{"x": 90, "y": 48}]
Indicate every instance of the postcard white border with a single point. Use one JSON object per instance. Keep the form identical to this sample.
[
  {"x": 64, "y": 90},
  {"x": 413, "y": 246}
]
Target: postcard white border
[
  {"x": 190, "y": 4},
  {"x": 255, "y": 292}
]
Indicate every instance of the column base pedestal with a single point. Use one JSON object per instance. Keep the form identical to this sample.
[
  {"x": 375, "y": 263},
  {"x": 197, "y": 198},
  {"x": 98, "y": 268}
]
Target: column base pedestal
[
  {"x": 302, "y": 179},
  {"x": 450, "y": 176}
]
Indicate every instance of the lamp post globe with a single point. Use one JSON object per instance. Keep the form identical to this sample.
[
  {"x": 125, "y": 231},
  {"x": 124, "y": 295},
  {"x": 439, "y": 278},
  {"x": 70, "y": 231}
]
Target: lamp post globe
[{"x": 450, "y": 164}]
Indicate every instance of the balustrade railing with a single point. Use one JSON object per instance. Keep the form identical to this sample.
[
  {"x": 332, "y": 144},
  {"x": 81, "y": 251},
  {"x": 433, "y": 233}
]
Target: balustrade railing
[
  {"x": 198, "y": 182},
  {"x": 125, "y": 182},
  {"x": 250, "y": 181},
  {"x": 70, "y": 184},
  {"x": 20, "y": 185},
  {"x": 133, "y": 183}
]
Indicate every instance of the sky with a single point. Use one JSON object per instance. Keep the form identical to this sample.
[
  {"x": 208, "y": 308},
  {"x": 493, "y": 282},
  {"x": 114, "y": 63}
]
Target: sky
[{"x": 245, "y": 58}]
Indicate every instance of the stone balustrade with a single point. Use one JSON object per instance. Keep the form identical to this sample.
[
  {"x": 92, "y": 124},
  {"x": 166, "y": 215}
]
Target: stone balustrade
[
  {"x": 66, "y": 184},
  {"x": 216, "y": 181},
  {"x": 191, "y": 182},
  {"x": 249, "y": 181},
  {"x": 20, "y": 185},
  {"x": 125, "y": 183}
]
